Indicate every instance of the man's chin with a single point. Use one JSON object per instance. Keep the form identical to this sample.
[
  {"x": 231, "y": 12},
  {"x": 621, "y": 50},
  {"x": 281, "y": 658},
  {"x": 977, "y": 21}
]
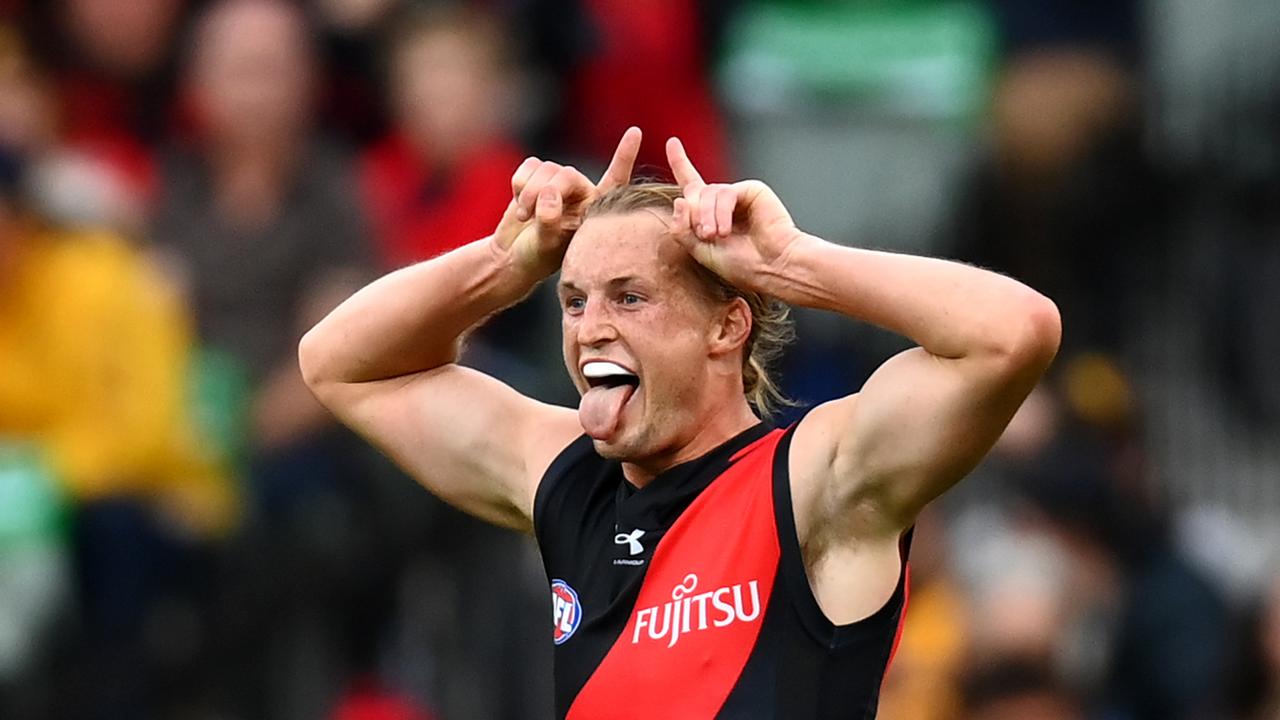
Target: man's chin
[
  {"x": 611, "y": 449},
  {"x": 620, "y": 446}
]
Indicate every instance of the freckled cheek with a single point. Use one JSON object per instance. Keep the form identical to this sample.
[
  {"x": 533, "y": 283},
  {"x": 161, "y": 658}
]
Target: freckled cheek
[
  {"x": 569, "y": 344},
  {"x": 670, "y": 368}
]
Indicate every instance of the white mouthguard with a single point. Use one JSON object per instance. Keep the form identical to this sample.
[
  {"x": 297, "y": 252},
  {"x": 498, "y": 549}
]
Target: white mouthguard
[{"x": 603, "y": 368}]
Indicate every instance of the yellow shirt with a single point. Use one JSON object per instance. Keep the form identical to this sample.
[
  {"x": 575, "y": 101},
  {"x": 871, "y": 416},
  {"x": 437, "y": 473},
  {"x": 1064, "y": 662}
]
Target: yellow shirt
[{"x": 94, "y": 354}]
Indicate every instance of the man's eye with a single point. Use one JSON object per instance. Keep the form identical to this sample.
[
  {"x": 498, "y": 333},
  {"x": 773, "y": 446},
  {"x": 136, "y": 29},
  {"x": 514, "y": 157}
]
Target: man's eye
[
  {"x": 574, "y": 303},
  {"x": 630, "y": 298}
]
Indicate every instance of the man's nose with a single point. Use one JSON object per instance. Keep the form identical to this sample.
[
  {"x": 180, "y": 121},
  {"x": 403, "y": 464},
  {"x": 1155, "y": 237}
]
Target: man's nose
[{"x": 596, "y": 324}]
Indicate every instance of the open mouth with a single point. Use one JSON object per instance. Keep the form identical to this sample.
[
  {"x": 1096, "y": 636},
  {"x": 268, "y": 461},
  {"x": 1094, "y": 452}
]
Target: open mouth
[
  {"x": 610, "y": 388},
  {"x": 602, "y": 373}
]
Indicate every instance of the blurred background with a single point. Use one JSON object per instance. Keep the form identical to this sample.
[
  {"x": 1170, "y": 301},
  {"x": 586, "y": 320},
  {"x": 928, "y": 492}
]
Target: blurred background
[{"x": 186, "y": 186}]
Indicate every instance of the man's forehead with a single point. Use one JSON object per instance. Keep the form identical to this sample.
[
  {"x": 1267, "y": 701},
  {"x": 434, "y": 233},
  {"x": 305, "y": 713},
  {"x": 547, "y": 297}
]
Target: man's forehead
[{"x": 635, "y": 245}]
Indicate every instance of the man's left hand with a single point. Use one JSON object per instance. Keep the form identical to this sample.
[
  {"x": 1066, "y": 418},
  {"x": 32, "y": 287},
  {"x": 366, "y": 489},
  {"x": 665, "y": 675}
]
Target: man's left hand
[{"x": 741, "y": 232}]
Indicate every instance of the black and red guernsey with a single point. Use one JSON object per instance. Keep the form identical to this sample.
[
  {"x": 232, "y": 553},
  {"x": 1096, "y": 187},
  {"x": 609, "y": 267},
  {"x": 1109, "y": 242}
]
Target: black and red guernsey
[{"x": 688, "y": 598}]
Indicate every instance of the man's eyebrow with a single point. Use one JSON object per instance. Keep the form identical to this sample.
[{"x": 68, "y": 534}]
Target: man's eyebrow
[
  {"x": 624, "y": 280},
  {"x": 613, "y": 284}
]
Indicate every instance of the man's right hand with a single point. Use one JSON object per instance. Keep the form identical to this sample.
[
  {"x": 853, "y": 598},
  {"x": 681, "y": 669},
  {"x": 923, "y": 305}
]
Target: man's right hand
[{"x": 548, "y": 204}]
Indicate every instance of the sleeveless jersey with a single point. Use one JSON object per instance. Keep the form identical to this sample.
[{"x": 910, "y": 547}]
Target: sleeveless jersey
[{"x": 688, "y": 598}]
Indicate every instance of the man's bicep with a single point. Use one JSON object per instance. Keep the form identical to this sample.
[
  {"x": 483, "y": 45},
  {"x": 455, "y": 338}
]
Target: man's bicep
[
  {"x": 919, "y": 425},
  {"x": 468, "y": 438}
]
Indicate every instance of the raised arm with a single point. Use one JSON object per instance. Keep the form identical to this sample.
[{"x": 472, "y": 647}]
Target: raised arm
[
  {"x": 384, "y": 362},
  {"x": 928, "y": 415}
]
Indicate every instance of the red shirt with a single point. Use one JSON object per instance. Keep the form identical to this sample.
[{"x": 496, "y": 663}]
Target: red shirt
[
  {"x": 419, "y": 210},
  {"x": 648, "y": 70}
]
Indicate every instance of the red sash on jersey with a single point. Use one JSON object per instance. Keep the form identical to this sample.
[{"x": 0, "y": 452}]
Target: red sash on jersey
[{"x": 702, "y": 604}]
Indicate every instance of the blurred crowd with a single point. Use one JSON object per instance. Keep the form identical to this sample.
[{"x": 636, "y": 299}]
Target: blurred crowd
[{"x": 187, "y": 185}]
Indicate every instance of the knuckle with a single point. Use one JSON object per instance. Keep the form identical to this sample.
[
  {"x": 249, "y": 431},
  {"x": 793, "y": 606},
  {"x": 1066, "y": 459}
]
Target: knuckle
[{"x": 527, "y": 167}]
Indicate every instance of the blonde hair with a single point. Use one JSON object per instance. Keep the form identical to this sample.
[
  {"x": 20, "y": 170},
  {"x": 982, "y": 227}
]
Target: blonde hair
[{"x": 771, "y": 326}]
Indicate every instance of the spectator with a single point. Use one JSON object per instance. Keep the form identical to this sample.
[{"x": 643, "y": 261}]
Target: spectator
[
  {"x": 69, "y": 183},
  {"x": 259, "y": 219},
  {"x": 94, "y": 355},
  {"x": 1014, "y": 689},
  {"x": 1066, "y": 199},
  {"x": 443, "y": 175},
  {"x": 647, "y": 66},
  {"x": 113, "y": 71},
  {"x": 258, "y": 215},
  {"x": 1166, "y": 619},
  {"x": 1017, "y": 574}
]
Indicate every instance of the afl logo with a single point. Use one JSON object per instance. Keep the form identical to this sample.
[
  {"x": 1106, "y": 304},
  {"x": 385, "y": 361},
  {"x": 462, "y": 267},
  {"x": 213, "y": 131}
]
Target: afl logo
[{"x": 566, "y": 611}]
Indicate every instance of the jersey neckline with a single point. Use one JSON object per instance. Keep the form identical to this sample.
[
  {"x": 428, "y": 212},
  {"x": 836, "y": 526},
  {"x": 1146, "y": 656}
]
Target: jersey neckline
[{"x": 659, "y": 503}]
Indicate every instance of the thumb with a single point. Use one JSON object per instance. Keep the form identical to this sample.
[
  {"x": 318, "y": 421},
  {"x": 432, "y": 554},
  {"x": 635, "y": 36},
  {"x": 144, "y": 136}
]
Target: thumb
[
  {"x": 509, "y": 226},
  {"x": 680, "y": 226},
  {"x": 704, "y": 252}
]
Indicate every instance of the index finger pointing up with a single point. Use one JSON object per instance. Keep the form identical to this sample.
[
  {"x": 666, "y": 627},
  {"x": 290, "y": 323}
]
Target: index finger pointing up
[
  {"x": 682, "y": 168},
  {"x": 624, "y": 159}
]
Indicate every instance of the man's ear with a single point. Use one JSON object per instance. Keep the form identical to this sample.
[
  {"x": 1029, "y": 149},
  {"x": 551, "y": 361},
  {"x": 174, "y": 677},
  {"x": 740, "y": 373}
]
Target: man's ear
[{"x": 733, "y": 328}]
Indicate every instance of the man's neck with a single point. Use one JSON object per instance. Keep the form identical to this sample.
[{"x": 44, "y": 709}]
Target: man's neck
[{"x": 720, "y": 427}]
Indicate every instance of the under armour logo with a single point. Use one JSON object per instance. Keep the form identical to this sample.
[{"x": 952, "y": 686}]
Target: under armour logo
[{"x": 631, "y": 540}]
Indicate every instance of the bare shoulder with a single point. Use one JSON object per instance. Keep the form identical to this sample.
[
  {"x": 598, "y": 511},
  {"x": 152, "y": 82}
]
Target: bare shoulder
[
  {"x": 811, "y": 463},
  {"x": 833, "y": 495}
]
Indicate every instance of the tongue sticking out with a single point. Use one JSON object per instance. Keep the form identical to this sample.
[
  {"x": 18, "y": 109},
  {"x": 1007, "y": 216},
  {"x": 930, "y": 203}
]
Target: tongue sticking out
[{"x": 601, "y": 408}]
